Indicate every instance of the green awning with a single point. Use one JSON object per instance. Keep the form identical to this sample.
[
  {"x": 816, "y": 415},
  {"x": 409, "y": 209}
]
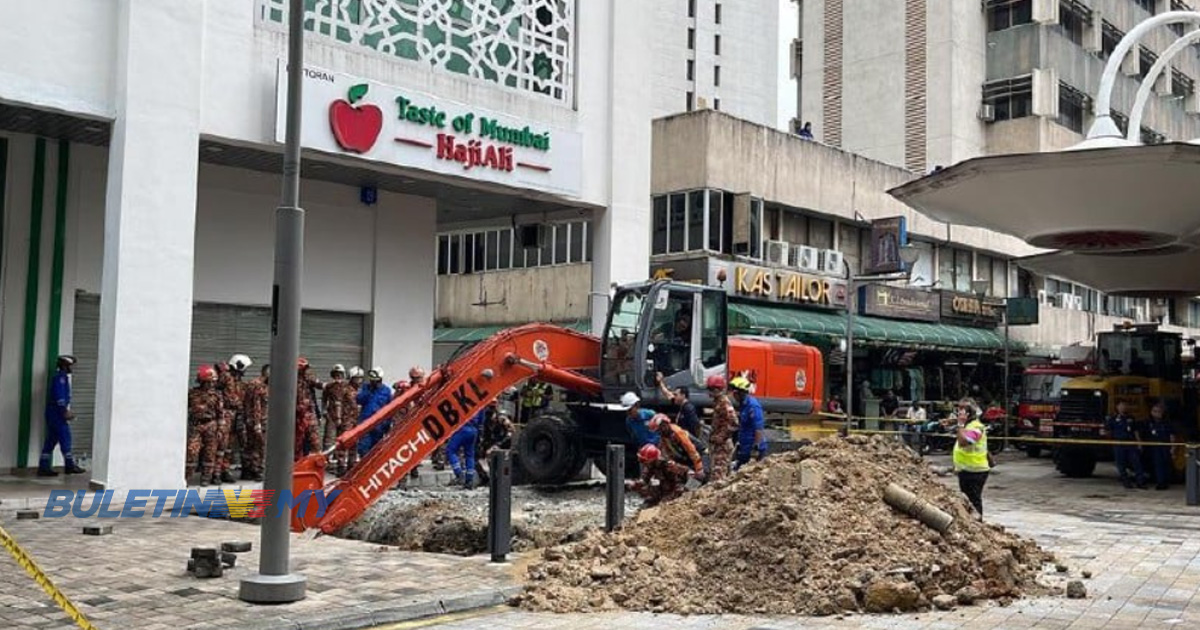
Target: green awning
[
  {"x": 754, "y": 318},
  {"x": 479, "y": 333}
]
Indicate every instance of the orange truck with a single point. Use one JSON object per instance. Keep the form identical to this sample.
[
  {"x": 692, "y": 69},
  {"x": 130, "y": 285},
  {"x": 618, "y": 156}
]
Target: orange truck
[
  {"x": 1041, "y": 398},
  {"x": 676, "y": 329}
]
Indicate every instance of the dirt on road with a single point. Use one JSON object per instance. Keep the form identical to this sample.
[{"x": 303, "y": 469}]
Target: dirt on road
[{"x": 774, "y": 540}]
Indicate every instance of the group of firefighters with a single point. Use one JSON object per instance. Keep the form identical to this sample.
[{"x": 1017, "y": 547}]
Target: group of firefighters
[
  {"x": 671, "y": 450},
  {"x": 227, "y": 420}
]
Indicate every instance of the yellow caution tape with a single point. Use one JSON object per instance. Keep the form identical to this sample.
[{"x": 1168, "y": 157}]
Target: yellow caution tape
[{"x": 25, "y": 560}]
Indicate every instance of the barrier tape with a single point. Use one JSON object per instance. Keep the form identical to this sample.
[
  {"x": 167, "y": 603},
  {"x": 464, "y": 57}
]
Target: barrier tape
[{"x": 26, "y": 561}]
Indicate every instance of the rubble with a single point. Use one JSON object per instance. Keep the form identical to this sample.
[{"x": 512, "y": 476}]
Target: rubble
[
  {"x": 1076, "y": 590},
  {"x": 751, "y": 545}
]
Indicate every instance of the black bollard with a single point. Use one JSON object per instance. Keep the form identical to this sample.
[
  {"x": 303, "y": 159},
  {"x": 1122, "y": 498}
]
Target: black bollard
[
  {"x": 1193, "y": 477},
  {"x": 500, "y": 505},
  {"x": 614, "y": 484}
]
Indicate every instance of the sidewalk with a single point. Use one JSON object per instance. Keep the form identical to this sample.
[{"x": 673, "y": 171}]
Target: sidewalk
[{"x": 136, "y": 577}]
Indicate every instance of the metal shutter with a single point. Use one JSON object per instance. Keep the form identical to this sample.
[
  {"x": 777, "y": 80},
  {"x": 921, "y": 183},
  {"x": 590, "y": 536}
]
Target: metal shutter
[
  {"x": 86, "y": 346},
  {"x": 218, "y": 332}
]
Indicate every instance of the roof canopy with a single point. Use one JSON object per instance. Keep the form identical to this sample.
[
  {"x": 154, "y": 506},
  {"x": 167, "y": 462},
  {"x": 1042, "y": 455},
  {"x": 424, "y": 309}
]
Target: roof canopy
[
  {"x": 1096, "y": 200},
  {"x": 1174, "y": 271}
]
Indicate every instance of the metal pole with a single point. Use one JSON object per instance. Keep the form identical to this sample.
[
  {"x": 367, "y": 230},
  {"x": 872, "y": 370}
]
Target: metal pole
[
  {"x": 1004, "y": 390},
  {"x": 1192, "y": 477},
  {"x": 274, "y": 583},
  {"x": 614, "y": 485},
  {"x": 848, "y": 395},
  {"x": 500, "y": 505}
]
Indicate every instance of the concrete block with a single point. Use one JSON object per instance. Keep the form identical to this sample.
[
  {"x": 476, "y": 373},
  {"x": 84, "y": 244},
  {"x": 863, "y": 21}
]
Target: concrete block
[
  {"x": 237, "y": 546},
  {"x": 204, "y": 552},
  {"x": 473, "y": 601},
  {"x": 205, "y": 569},
  {"x": 388, "y": 612},
  {"x": 341, "y": 620},
  {"x": 228, "y": 559},
  {"x": 812, "y": 475},
  {"x": 27, "y": 515},
  {"x": 97, "y": 530}
]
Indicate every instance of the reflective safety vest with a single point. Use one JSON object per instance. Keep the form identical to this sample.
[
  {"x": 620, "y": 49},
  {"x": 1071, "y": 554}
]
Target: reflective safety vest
[{"x": 972, "y": 457}]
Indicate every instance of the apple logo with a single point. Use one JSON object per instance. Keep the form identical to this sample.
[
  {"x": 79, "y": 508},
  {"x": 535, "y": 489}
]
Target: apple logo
[{"x": 355, "y": 128}]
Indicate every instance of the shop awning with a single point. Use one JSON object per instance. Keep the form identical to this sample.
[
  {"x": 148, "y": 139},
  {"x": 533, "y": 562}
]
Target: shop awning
[
  {"x": 753, "y": 318},
  {"x": 479, "y": 333}
]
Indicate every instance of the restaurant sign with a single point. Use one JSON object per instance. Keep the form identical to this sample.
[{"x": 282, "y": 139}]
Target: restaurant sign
[
  {"x": 784, "y": 286},
  {"x": 971, "y": 310},
  {"x": 881, "y": 300}
]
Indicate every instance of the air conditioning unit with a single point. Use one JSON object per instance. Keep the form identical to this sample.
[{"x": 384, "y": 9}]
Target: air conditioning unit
[
  {"x": 831, "y": 262},
  {"x": 1060, "y": 299},
  {"x": 810, "y": 259},
  {"x": 1074, "y": 302},
  {"x": 1044, "y": 298},
  {"x": 777, "y": 253},
  {"x": 987, "y": 112}
]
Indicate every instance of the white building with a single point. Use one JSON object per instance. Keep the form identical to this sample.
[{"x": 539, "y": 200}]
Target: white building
[{"x": 139, "y": 160}]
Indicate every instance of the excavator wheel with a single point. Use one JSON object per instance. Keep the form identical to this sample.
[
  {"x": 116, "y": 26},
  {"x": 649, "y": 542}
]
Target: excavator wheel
[{"x": 549, "y": 450}]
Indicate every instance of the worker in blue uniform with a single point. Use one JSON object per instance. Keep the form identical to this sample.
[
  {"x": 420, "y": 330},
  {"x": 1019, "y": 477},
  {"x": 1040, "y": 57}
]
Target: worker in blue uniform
[
  {"x": 58, "y": 421},
  {"x": 751, "y": 434},
  {"x": 464, "y": 441}
]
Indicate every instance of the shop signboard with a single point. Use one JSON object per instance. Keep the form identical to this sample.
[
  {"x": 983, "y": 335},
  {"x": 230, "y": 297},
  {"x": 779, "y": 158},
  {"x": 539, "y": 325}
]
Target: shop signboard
[
  {"x": 971, "y": 310},
  {"x": 747, "y": 280},
  {"x": 350, "y": 116},
  {"x": 881, "y": 300},
  {"x": 887, "y": 237},
  {"x": 1021, "y": 311}
]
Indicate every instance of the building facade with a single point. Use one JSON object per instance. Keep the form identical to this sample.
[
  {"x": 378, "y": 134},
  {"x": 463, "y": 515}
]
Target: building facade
[{"x": 139, "y": 167}]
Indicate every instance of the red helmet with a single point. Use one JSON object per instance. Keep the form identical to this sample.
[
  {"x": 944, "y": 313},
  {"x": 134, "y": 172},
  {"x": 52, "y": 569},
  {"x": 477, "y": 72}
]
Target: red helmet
[
  {"x": 716, "y": 381},
  {"x": 206, "y": 373},
  {"x": 659, "y": 421},
  {"x": 302, "y": 363},
  {"x": 648, "y": 453}
]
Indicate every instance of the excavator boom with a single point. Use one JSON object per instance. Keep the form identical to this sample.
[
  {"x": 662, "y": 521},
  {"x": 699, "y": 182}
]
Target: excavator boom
[{"x": 450, "y": 397}]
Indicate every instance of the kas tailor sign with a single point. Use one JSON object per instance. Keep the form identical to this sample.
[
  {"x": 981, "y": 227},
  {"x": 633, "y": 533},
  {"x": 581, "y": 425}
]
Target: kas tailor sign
[
  {"x": 346, "y": 115},
  {"x": 214, "y": 503}
]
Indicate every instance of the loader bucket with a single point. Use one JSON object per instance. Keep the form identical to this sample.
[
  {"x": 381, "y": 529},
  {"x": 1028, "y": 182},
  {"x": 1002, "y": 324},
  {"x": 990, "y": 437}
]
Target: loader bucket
[{"x": 308, "y": 484}]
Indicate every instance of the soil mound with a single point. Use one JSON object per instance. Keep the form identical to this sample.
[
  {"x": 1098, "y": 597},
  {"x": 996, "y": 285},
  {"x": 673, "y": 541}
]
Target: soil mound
[{"x": 804, "y": 532}]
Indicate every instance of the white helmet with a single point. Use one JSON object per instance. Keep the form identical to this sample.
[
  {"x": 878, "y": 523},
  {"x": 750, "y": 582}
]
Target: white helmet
[
  {"x": 629, "y": 399},
  {"x": 338, "y": 367},
  {"x": 375, "y": 373},
  {"x": 240, "y": 362},
  {"x": 355, "y": 372}
]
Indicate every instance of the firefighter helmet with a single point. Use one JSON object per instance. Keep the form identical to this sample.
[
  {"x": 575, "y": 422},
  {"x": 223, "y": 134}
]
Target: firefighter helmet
[
  {"x": 648, "y": 453},
  {"x": 337, "y": 369},
  {"x": 659, "y": 421},
  {"x": 206, "y": 373},
  {"x": 240, "y": 362},
  {"x": 356, "y": 372},
  {"x": 716, "y": 381},
  {"x": 740, "y": 383}
]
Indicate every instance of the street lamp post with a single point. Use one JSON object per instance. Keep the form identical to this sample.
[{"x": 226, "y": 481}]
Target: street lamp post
[
  {"x": 275, "y": 583},
  {"x": 909, "y": 255},
  {"x": 980, "y": 287}
]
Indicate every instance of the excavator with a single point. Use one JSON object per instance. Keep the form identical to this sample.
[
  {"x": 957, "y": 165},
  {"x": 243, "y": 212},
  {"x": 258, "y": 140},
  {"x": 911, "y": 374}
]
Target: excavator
[{"x": 663, "y": 327}]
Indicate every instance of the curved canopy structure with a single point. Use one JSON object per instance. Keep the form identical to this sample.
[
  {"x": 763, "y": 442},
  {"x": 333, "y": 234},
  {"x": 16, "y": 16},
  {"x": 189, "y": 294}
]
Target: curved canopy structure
[
  {"x": 1171, "y": 272},
  {"x": 1098, "y": 200}
]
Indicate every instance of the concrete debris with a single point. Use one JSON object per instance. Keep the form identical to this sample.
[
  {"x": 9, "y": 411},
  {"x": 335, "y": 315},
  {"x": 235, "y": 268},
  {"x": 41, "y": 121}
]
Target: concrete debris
[
  {"x": 944, "y": 602},
  {"x": 750, "y": 544},
  {"x": 97, "y": 530},
  {"x": 237, "y": 546},
  {"x": 1087, "y": 575},
  {"x": 27, "y": 515},
  {"x": 1076, "y": 590}
]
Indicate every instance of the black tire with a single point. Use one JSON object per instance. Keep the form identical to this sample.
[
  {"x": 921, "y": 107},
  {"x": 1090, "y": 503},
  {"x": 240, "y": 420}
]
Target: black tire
[
  {"x": 549, "y": 450},
  {"x": 1033, "y": 450},
  {"x": 1076, "y": 463}
]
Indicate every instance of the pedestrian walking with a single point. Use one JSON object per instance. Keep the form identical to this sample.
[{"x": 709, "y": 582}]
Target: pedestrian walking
[
  {"x": 204, "y": 412},
  {"x": 1158, "y": 429},
  {"x": 751, "y": 435},
  {"x": 972, "y": 461},
  {"x": 724, "y": 428},
  {"x": 58, "y": 421},
  {"x": 1127, "y": 456}
]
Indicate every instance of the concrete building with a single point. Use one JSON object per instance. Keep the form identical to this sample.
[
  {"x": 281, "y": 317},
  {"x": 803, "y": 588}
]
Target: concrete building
[{"x": 138, "y": 172}]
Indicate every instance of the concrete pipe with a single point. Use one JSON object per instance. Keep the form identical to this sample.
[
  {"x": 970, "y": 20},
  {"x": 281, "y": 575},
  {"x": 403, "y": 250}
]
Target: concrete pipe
[{"x": 919, "y": 508}]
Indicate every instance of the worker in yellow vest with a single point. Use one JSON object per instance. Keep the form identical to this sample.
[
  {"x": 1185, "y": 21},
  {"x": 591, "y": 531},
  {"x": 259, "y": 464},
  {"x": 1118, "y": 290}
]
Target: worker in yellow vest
[{"x": 971, "y": 459}]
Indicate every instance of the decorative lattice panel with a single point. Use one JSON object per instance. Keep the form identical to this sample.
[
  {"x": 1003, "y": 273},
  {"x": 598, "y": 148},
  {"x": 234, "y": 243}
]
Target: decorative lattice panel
[{"x": 520, "y": 44}]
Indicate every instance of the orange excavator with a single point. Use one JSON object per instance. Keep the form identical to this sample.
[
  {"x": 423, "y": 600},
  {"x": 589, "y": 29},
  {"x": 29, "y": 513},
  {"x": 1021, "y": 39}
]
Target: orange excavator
[{"x": 674, "y": 329}]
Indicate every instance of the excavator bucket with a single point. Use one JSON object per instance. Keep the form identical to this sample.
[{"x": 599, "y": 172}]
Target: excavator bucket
[{"x": 308, "y": 487}]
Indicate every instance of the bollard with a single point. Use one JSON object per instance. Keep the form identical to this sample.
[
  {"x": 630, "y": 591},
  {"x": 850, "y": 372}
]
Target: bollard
[
  {"x": 500, "y": 505},
  {"x": 1193, "y": 477},
  {"x": 614, "y": 485}
]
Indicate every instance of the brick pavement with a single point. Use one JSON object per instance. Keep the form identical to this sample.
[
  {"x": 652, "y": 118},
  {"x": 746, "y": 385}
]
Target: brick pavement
[{"x": 136, "y": 577}]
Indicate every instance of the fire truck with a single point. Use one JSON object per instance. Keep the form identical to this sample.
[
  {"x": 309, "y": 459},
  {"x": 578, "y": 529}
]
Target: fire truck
[
  {"x": 1136, "y": 364},
  {"x": 672, "y": 328},
  {"x": 1041, "y": 391}
]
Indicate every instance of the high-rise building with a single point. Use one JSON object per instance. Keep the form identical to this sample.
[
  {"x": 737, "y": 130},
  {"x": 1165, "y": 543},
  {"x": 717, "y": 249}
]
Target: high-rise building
[{"x": 922, "y": 83}]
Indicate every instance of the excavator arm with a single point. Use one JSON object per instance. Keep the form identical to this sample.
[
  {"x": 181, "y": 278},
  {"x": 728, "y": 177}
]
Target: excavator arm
[{"x": 449, "y": 398}]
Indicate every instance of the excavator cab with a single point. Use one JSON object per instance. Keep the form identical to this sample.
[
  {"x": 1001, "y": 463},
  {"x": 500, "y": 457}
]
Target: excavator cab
[{"x": 672, "y": 328}]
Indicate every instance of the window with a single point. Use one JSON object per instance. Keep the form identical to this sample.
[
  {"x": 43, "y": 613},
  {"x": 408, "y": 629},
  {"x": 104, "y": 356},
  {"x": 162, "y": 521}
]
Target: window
[
  {"x": 691, "y": 8},
  {"x": 820, "y": 233},
  {"x": 691, "y": 70},
  {"x": 1181, "y": 84},
  {"x": 962, "y": 271},
  {"x": 676, "y": 223},
  {"x": 716, "y": 44},
  {"x": 1146, "y": 58},
  {"x": 1002, "y": 14},
  {"x": 1121, "y": 119},
  {"x": 695, "y": 226},
  {"x": 494, "y": 250},
  {"x": 716, "y": 223},
  {"x": 1193, "y": 314},
  {"x": 1148, "y": 5},
  {"x": 691, "y": 101},
  {"x": 717, "y": 104},
  {"x": 658, "y": 235},
  {"x": 756, "y": 228},
  {"x": 1150, "y": 136},
  {"x": 691, "y": 39},
  {"x": 1072, "y": 104},
  {"x": 1073, "y": 19},
  {"x": 1110, "y": 36},
  {"x": 1178, "y": 5},
  {"x": 1010, "y": 98},
  {"x": 717, "y": 15},
  {"x": 717, "y": 76}
]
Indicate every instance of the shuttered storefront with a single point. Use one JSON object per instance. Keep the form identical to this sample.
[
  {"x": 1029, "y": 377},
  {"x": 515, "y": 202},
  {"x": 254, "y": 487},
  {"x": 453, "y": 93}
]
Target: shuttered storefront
[{"x": 218, "y": 331}]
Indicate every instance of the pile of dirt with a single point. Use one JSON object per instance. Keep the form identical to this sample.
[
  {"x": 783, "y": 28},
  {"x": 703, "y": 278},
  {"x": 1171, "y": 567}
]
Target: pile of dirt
[{"x": 805, "y": 532}]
